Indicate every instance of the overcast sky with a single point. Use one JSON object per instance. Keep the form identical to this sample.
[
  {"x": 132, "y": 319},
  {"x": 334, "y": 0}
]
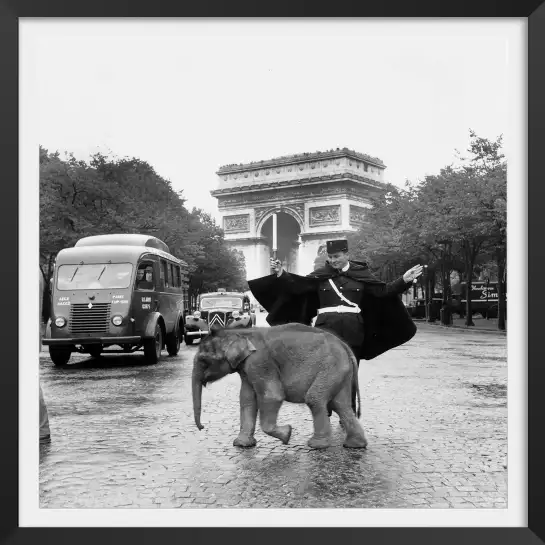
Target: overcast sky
[{"x": 189, "y": 97}]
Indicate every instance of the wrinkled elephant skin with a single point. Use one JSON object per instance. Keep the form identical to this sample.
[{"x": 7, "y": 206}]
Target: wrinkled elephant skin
[{"x": 291, "y": 362}]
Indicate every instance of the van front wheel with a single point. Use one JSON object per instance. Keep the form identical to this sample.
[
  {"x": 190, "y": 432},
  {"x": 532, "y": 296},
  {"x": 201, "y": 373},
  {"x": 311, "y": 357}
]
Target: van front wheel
[
  {"x": 153, "y": 346},
  {"x": 59, "y": 355}
]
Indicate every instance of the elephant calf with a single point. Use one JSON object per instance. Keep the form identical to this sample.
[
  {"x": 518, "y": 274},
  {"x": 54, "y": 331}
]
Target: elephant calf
[{"x": 291, "y": 362}]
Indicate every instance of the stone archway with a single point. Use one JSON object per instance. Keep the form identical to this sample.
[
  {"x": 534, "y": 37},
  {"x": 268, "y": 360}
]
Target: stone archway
[
  {"x": 318, "y": 196},
  {"x": 289, "y": 231}
]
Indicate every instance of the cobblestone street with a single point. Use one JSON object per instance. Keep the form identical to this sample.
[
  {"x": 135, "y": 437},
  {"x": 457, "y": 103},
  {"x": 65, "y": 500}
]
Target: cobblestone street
[{"x": 434, "y": 411}]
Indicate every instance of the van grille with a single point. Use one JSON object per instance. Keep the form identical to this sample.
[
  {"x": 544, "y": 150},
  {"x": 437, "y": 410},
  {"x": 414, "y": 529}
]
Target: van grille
[{"x": 85, "y": 320}]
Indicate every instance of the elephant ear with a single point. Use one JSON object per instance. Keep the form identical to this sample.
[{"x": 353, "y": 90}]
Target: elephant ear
[{"x": 238, "y": 350}]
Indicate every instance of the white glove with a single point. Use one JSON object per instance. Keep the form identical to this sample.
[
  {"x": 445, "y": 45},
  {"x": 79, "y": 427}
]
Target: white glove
[
  {"x": 276, "y": 265},
  {"x": 413, "y": 274}
]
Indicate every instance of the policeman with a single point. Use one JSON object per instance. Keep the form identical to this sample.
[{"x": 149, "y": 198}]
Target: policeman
[{"x": 343, "y": 289}]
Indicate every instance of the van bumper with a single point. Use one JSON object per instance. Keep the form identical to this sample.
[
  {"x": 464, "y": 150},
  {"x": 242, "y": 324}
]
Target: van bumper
[{"x": 92, "y": 340}]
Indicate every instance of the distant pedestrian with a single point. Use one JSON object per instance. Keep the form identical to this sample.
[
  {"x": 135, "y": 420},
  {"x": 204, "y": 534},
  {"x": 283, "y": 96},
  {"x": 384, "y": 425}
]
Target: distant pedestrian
[{"x": 45, "y": 435}]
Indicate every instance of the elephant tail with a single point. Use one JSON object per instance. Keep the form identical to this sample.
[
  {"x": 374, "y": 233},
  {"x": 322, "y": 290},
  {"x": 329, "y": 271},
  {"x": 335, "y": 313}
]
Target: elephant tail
[{"x": 355, "y": 380}]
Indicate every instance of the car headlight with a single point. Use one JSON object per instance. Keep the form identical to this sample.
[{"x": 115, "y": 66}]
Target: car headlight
[
  {"x": 196, "y": 314},
  {"x": 60, "y": 321},
  {"x": 117, "y": 320},
  {"x": 235, "y": 314}
]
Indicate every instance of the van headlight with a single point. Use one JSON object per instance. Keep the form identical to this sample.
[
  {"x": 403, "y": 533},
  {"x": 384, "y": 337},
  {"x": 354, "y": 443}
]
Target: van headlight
[
  {"x": 117, "y": 320},
  {"x": 235, "y": 314},
  {"x": 60, "y": 321},
  {"x": 196, "y": 315}
]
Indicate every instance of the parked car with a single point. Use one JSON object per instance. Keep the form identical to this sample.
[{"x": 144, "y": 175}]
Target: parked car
[
  {"x": 123, "y": 291},
  {"x": 219, "y": 309}
]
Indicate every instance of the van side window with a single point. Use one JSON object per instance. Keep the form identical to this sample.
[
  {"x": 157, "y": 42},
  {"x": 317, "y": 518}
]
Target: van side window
[
  {"x": 175, "y": 275},
  {"x": 169, "y": 277},
  {"x": 144, "y": 277},
  {"x": 178, "y": 276},
  {"x": 164, "y": 267}
]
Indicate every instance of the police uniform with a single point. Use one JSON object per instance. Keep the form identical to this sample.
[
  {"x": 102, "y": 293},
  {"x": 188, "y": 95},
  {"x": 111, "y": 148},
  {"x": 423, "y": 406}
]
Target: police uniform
[{"x": 337, "y": 315}]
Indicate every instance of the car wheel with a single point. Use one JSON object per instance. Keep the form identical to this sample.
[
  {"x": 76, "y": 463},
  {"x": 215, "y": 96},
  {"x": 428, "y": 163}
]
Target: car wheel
[
  {"x": 153, "y": 346},
  {"x": 60, "y": 355},
  {"x": 173, "y": 342}
]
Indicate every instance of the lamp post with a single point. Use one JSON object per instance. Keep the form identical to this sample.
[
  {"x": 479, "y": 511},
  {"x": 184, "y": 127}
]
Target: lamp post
[
  {"x": 426, "y": 292},
  {"x": 274, "y": 235}
]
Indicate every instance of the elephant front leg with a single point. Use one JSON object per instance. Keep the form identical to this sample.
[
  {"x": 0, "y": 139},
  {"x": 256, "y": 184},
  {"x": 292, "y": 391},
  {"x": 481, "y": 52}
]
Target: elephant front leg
[
  {"x": 248, "y": 416},
  {"x": 268, "y": 414}
]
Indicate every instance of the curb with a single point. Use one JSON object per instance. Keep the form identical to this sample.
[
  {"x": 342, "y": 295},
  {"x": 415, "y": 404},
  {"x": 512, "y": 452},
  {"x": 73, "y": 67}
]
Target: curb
[{"x": 464, "y": 328}]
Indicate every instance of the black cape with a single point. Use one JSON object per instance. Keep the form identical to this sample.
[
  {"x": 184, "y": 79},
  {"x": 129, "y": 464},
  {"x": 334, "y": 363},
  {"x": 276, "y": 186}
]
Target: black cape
[{"x": 294, "y": 298}]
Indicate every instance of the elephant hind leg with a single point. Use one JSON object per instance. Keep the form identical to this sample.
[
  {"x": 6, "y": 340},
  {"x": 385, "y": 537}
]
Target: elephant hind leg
[
  {"x": 355, "y": 435},
  {"x": 268, "y": 414}
]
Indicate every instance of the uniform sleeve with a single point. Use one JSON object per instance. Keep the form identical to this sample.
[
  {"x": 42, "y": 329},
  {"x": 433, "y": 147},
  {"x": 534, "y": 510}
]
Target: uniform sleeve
[{"x": 396, "y": 287}]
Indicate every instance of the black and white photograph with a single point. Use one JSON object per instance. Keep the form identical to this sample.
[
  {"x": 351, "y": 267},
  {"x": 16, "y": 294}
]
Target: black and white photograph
[{"x": 274, "y": 272}]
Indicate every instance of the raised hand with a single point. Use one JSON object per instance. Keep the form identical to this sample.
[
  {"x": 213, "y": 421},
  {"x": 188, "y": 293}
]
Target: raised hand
[
  {"x": 276, "y": 266},
  {"x": 413, "y": 274}
]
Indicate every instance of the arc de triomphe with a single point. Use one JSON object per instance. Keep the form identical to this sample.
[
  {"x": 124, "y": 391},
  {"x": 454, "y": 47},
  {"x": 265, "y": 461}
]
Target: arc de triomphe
[{"x": 316, "y": 196}]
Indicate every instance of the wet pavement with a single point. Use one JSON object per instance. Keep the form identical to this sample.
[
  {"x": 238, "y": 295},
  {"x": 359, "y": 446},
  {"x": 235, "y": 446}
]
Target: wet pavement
[{"x": 434, "y": 411}]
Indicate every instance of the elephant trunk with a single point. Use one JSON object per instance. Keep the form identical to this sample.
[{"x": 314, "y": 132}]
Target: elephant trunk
[{"x": 197, "y": 396}]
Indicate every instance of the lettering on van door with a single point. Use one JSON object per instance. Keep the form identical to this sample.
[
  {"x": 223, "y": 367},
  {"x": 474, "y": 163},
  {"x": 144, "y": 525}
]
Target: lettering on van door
[{"x": 146, "y": 303}]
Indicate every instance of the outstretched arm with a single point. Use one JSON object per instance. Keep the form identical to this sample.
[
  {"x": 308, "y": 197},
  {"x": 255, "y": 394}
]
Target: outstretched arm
[{"x": 397, "y": 286}]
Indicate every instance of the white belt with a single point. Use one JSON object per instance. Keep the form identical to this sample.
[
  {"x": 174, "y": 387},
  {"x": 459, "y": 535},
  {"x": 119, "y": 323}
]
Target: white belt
[{"x": 340, "y": 308}]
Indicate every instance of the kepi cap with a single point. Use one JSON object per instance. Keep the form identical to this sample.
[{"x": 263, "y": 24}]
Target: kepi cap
[{"x": 334, "y": 246}]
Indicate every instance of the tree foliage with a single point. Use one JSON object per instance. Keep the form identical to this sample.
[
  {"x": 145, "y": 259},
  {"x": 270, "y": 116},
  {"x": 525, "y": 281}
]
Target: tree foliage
[
  {"x": 453, "y": 220},
  {"x": 106, "y": 195}
]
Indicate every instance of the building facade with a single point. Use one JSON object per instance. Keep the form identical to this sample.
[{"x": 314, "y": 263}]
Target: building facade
[{"x": 316, "y": 196}]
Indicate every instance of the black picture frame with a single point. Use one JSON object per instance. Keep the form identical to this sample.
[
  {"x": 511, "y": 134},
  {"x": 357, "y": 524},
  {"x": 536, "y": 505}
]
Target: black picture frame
[{"x": 11, "y": 11}]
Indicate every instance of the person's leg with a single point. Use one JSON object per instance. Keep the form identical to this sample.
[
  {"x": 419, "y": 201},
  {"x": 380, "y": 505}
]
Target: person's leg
[
  {"x": 45, "y": 434},
  {"x": 353, "y": 336}
]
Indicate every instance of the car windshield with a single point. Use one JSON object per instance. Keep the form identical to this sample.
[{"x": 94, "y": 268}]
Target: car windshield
[
  {"x": 221, "y": 302},
  {"x": 96, "y": 276}
]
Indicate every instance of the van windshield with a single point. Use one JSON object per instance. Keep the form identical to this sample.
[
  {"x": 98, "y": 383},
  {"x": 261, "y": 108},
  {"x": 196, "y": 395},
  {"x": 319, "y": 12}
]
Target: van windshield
[
  {"x": 96, "y": 276},
  {"x": 221, "y": 302}
]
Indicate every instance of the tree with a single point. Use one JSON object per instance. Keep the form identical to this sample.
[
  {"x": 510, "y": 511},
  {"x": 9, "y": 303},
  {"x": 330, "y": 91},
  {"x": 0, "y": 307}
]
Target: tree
[
  {"x": 449, "y": 221},
  {"x": 387, "y": 241},
  {"x": 111, "y": 195},
  {"x": 216, "y": 265},
  {"x": 488, "y": 162}
]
